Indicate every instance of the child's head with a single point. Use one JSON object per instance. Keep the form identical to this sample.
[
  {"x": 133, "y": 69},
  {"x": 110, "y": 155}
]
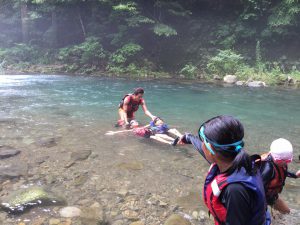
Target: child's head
[
  {"x": 281, "y": 151},
  {"x": 158, "y": 121},
  {"x": 134, "y": 124}
]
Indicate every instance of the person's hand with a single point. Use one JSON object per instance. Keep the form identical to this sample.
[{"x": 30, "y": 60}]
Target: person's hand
[
  {"x": 298, "y": 173},
  {"x": 153, "y": 117},
  {"x": 181, "y": 141},
  {"x": 126, "y": 125}
]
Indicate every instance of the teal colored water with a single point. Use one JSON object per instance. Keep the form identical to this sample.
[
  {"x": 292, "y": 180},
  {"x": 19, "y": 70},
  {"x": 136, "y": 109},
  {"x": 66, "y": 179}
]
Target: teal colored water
[{"x": 267, "y": 113}]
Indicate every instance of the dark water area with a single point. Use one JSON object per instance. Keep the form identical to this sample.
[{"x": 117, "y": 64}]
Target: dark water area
[{"x": 79, "y": 110}]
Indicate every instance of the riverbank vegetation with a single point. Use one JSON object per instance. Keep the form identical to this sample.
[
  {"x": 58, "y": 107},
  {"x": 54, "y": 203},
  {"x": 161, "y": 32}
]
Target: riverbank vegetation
[{"x": 251, "y": 39}]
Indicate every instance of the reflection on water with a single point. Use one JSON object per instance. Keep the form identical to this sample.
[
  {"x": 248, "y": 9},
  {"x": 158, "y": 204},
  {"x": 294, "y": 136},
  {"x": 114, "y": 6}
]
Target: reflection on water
[{"x": 77, "y": 111}]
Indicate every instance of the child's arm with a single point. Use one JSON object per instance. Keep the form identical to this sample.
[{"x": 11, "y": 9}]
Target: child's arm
[{"x": 293, "y": 175}]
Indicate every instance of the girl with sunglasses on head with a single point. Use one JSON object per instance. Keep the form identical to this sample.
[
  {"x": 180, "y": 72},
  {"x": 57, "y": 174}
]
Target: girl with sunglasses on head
[
  {"x": 233, "y": 189},
  {"x": 274, "y": 170}
]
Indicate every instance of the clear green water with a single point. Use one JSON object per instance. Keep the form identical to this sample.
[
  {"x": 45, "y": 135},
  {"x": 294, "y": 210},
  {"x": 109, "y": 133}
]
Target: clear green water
[{"x": 82, "y": 109}]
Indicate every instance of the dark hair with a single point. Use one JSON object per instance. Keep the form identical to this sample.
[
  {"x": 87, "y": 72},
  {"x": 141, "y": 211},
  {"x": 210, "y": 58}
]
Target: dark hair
[
  {"x": 228, "y": 130},
  {"x": 138, "y": 91}
]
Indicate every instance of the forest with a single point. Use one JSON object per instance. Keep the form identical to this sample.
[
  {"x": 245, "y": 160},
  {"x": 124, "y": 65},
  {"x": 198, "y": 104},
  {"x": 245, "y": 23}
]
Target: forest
[{"x": 252, "y": 39}]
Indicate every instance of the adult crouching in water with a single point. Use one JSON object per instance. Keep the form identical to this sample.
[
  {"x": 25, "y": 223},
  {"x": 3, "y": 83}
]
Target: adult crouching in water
[
  {"x": 233, "y": 190},
  {"x": 130, "y": 104}
]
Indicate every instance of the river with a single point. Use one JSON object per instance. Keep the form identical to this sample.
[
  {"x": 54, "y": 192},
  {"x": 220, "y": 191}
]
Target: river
[{"x": 76, "y": 111}]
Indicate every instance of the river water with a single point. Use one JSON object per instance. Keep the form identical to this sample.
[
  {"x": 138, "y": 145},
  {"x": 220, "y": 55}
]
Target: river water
[{"x": 77, "y": 111}]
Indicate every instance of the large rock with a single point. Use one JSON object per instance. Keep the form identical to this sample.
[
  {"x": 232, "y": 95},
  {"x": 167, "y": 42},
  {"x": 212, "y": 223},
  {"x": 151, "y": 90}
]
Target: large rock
[
  {"x": 230, "y": 79},
  {"x": 21, "y": 200},
  {"x": 81, "y": 155},
  {"x": 240, "y": 83},
  {"x": 10, "y": 171},
  {"x": 256, "y": 84},
  {"x": 176, "y": 219},
  {"x": 7, "y": 151}
]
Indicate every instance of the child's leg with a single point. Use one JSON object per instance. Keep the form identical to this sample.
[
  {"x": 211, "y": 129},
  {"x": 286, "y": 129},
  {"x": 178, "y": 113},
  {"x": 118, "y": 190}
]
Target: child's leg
[
  {"x": 175, "y": 132},
  {"x": 157, "y": 138},
  {"x": 165, "y": 136},
  {"x": 281, "y": 206}
]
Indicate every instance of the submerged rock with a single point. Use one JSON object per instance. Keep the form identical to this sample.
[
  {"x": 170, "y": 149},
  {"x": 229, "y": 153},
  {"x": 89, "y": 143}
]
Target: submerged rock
[
  {"x": 22, "y": 200},
  {"x": 47, "y": 142},
  {"x": 176, "y": 219},
  {"x": 81, "y": 155},
  {"x": 70, "y": 212},
  {"x": 10, "y": 171},
  {"x": 93, "y": 215},
  {"x": 135, "y": 165},
  {"x": 7, "y": 151}
]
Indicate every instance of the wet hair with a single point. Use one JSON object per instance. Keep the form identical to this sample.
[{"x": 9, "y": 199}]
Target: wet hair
[
  {"x": 157, "y": 118},
  {"x": 228, "y": 130},
  {"x": 138, "y": 91}
]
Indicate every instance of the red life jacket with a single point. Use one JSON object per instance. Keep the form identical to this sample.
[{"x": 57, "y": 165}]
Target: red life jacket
[
  {"x": 132, "y": 106},
  {"x": 215, "y": 184},
  {"x": 276, "y": 185}
]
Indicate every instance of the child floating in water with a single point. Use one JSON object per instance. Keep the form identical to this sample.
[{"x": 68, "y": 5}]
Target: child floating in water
[
  {"x": 274, "y": 171},
  {"x": 159, "y": 130}
]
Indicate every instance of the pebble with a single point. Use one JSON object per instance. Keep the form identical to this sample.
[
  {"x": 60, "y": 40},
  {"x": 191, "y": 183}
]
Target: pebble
[
  {"x": 137, "y": 223},
  {"x": 131, "y": 215},
  {"x": 54, "y": 221},
  {"x": 69, "y": 212}
]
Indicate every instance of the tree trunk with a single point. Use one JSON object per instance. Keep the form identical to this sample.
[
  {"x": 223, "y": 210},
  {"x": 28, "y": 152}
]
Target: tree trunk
[
  {"x": 54, "y": 28},
  {"x": 81, "y": 24},
  {"x": 25, "y": 23}
]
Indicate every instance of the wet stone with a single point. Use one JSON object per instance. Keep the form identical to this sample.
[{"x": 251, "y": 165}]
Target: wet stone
[
  {"x": 137, "y": 223},
  {"x": 81, "y": 155},
  {"x": 10, "y": 171},
  {"x": 130, "y": 214},
  {"x": 47, "y": 142},
  {"x": 7, "y": 151},
  {"x": 42, "y": 159},
  {"x": 135, "y": 165},
  {"x": 93, "y": 215},
  {"x": 177, "y": 220},
  {"x": 54, "y": 221},
  {"x": 21, "y": 200},
  {"x": 70, "y": 212}
]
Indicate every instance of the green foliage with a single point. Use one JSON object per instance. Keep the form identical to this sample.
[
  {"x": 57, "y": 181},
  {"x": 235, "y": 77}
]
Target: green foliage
[
  {"x": 123, "y": 60},
  {"x": 189, "y": 70},
  {"x": 164, "y": 30},
  {"x": 225, "y": 62},
  {"x": 127, "y": 52},
  {"x": 128, "y": 7},
  {"x": 20, "y": 53},
  {"x": 89, "y": 52}
]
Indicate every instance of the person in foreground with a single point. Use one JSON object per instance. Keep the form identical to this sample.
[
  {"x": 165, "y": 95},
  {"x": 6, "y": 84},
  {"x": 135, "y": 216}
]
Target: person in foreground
[
  {"x": 274, "y": 170},
  {"x": 233, "y": 189},
  {"x": 129, "y": 105}
]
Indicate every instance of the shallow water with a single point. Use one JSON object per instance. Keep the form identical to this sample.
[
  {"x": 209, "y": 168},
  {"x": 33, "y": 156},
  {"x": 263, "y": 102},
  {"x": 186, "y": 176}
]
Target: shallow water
[{"x": 79, "y": 110}]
